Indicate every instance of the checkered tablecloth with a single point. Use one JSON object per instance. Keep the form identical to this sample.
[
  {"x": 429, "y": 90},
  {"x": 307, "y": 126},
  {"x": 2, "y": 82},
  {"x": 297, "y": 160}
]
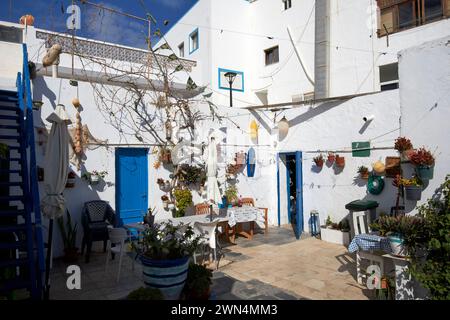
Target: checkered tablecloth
[
  {"x": 369, "y": 242},
  {"x": 245, "y": 214}
]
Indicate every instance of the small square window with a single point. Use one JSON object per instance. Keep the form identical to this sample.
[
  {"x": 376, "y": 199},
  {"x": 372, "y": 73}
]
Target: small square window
[
  {"x": 181, "y": 50},
  {"x": 287, "y": 4},
  {"x": 193, "y": 41},
  {"x": 272, "y": 55}
]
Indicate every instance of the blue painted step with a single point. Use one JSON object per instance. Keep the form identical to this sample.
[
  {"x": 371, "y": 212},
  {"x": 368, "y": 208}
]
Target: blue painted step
[
  {"x": 11, "y": 213},
  {"x": 3, "y": 117},
  {"x": 14, "y": 262},
  {"x": 9, "y": 137},
  {"x": 9, "y": 127},
  {"x": 11, "y": 184},
  {"x": 13, "y": 228},
  {"x": 12, "y": 198},
  {"x": 13, "y": 245},
  {"x": 9, "y": 108},
  {"x": 12, "y": 171}
]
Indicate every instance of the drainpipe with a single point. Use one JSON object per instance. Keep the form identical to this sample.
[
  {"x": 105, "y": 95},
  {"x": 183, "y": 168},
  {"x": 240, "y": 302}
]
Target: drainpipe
[{"x": 322, "y": 49}]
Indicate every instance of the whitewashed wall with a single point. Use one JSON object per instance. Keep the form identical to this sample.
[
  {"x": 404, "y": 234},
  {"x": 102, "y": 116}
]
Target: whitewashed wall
[{"x": 425, "y": 105}]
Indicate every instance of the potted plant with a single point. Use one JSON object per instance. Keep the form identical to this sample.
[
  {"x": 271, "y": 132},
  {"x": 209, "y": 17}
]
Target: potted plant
[
  {"x": 340, "y": 161},
  {"x": 164, "y": 250},
  {"x": 338, "y": 233},
  {"x": 413, "y": 188},
  {"x": 198, "y": 283},
  {"x": 231, "y": 194},
  {"x": 183, "y": 200},
  {"x": 69, "y": 235},
  {"x": 71, "y": 178},
  {"x": 318, "y": 161},
  {"x": 165, "y": 155},
  {"x": 189, "y": 174},
  {"x": 424, "y": 162},
  {"x": 363, "y": 172},
  {"x": 145, "y": 294},
  {"x": 95, "y": 176},
  {"x": 400, "y": 230},
  {"x": 403, "y": 146},
  {"x": 166, "y": 201},
  {"x": 331, "y": 157}
]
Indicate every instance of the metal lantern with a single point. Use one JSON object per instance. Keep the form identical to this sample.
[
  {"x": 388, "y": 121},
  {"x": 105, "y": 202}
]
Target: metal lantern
[
  {"x": 253, "y": 130},
  {"x": 283, "y": 127}
]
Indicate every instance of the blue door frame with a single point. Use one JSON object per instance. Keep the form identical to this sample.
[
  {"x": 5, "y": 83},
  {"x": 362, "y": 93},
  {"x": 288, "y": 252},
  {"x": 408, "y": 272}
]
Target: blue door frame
[
  {"x": 131, "y": 184},
  {"x": 298, "y": 227}
]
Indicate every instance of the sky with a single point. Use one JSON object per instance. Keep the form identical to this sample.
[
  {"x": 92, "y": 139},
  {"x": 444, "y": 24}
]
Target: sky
[{"x": 100, "y": 24}]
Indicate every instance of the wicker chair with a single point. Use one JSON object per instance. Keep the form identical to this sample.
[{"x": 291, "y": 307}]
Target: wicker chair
[
  {"x": 96, "y": 217},
  {"x": 202, "y": 208}
]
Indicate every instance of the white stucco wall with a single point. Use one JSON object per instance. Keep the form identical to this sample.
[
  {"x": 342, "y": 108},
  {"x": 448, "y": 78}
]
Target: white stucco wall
[{"x": 425, "y": 105}]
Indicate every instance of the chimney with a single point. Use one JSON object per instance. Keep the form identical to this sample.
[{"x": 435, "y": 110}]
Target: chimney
[{"x": 322, "y": 49}]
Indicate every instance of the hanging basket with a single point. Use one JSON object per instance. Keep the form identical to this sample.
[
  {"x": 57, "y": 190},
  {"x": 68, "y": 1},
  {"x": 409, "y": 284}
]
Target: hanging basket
[
  {"x": 413, "y": 192},
  {"x": 340, "y": 161},
  {"x": 425, "y": 172}
]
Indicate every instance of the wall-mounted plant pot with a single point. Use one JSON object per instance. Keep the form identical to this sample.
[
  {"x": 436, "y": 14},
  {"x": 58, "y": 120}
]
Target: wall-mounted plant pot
[
  {"x": 318, "y": 163},
  {"x": 397, "y": 245},
  {"x": 331, "y": 158},
  {"x": 340, "y": 162},
  {"x": 413, "y": 192},
  {"x": 425, "y": 172},
  {"x": 94, "y": 180}
]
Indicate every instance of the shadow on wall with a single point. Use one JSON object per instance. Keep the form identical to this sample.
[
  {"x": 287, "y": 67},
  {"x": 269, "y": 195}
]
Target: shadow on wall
[
  {"x": 40, "y": 90},
  {"x": 75, "y": 199}
]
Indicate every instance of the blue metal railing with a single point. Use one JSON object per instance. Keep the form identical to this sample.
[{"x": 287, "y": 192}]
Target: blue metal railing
[{"x": 27, "y": 130}]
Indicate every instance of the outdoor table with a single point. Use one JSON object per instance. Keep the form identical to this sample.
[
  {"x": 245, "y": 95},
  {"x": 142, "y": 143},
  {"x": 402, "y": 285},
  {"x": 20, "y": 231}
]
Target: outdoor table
[{"x": 369, "y": 242}]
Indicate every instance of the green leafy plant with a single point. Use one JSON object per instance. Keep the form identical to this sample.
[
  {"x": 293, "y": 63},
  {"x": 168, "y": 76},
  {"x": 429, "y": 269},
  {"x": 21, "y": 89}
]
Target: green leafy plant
[
  {"x": 231, "y": 193},
  {"x": 68, "y": 231},
  {"x": 166, "y": 241},
  {"x": 431, "y": 259},
  {"x": 198, "y": 283},
  {"x": 422, "y": 157},
  {"x": 344, "y": 225},
  {"x": 145, "y": 294},
  {"x": 183, "y": 198},
  {"x": 328, "y": 222}
]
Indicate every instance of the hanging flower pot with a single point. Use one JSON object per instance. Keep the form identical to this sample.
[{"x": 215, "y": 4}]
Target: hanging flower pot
[
  {"x": 95, "y": 179},
  {"x": 331, "y": 157},
  {"x": 319, "y": 161},
  {"x": 425, "y": 172},
  {"x": 363, "y": 172},
  {"x": 340, "y": 161},
  {"x": 413, "y": 192}
]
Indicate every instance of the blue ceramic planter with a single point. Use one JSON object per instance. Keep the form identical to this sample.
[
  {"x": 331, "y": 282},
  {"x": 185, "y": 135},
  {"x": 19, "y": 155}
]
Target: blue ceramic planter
[
  {"x": 169, "y": 276},
  {"x": 425, "y": 172}
]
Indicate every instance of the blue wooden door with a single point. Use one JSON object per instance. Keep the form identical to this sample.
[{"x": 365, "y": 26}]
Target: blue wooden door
[
  {"x": 298, "y": 228},
  {"x": 131, "y": 184}
]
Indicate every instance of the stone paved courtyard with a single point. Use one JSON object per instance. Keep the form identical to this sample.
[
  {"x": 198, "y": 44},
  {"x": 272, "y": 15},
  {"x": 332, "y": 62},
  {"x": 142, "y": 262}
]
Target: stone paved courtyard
[{"x": 273, "y": 266}]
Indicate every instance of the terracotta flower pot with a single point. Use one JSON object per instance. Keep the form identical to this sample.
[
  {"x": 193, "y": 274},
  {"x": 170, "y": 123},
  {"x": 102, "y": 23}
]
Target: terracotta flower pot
[
  {"x": 340, "y": 161},
  {"x": 319, "y": 163},
  {"x": 364, "y": 175},
  {"x": 331, "y": 158}
]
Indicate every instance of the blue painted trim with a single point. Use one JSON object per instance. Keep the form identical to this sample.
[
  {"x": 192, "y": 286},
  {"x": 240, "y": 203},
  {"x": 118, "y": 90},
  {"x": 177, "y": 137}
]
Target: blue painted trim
[
  {"x": 299, "y": 184},
  {"x": 198, "y": 40},
  {"x": 288, "y": 180},
  {"x": 278, "y": 190},
  {"x": 227, "y": 87}
]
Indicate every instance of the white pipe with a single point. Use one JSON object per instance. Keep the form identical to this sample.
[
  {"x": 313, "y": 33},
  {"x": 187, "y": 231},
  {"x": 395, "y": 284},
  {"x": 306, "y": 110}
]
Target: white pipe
[
  {"x": 297, "y": 52},
  {"x": 54, "y": 71}
]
